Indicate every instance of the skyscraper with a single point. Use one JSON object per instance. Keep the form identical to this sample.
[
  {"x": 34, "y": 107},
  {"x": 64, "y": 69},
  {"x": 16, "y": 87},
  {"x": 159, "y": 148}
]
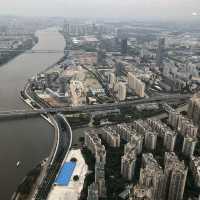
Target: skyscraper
[
  {"x": 124, "y": 46},
  {"x": 160, "y": 52}
]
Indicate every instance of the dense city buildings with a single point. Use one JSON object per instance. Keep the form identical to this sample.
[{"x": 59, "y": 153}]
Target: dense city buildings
[
  {"x": 165, "y": 180},
  {"x": 125, "y": 86}
]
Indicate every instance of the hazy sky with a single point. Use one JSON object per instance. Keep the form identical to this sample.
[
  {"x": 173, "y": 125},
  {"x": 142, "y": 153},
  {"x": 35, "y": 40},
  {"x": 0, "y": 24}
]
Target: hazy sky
[{"x": 165, "y": 9}]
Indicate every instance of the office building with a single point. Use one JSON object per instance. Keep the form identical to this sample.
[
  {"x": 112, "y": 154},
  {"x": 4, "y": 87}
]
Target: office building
[
  {"x": 160, "y": 52},
  {"x": 124, "y": 46}
]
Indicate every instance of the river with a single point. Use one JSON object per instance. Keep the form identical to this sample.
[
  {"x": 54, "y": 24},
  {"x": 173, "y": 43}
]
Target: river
[{"x": 27, "y": 140}]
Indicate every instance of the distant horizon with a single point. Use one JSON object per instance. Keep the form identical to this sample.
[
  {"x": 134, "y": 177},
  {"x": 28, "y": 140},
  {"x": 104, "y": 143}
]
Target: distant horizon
[
  {"x": 159, "y": 10},
  {"x": 126, "y": 19}
]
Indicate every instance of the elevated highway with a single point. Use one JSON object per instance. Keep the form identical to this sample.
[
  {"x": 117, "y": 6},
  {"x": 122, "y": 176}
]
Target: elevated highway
[{"x": 92, "y": 108}]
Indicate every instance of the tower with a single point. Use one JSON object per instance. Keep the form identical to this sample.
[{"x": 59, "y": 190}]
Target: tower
[
  {"x": 160, "y": 52},
  {"x": 124, "y": 46}
]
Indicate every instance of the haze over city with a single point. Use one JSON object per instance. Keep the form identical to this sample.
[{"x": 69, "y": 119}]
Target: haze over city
[
  {"x": 100, "y": 99},
  {"x": 138, "y": 9}
]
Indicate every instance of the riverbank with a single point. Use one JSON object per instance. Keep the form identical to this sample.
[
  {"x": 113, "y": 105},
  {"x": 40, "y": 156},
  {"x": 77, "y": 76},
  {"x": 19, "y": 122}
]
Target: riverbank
[
  {"x": 7, "y": 56},
  {"x": 36, "y": 179},
  {"x": 50, "y": 168},
  {"x": 28, "y": 140}
]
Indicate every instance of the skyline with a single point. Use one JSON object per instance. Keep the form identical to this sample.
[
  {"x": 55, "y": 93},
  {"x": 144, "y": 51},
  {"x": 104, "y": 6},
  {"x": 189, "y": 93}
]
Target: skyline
[{"x": 132, "y": 9}]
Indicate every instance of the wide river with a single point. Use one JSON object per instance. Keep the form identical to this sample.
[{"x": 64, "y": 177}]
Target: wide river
[{"x": 27, "y": 140}]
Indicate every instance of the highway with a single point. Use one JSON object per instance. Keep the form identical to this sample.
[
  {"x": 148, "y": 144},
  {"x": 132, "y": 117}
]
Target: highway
[
  {"x": 54, "y": 164},
  {"x": 92, "y": 108}
]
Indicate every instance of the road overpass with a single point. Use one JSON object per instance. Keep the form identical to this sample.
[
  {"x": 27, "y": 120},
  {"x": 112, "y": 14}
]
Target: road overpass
[{"x": 93, "y": 108}]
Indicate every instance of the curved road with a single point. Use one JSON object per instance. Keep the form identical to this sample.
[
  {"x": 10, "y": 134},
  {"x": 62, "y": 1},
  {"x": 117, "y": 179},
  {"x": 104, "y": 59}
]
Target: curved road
[{"x": 27, "y": 140}]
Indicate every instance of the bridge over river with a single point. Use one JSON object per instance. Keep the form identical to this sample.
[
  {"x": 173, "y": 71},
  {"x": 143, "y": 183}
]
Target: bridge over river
[{"x": 92, "y": 108}]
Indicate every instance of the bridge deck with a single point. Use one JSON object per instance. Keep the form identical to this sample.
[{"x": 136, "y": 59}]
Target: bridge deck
[{"x": 91, "y": 108}]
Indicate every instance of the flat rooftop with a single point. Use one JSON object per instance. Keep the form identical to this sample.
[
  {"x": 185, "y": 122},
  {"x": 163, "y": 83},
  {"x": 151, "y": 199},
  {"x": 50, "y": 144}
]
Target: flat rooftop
[
  {"x": 65, "y": 187},
  {"x": 65, "y": 173}
]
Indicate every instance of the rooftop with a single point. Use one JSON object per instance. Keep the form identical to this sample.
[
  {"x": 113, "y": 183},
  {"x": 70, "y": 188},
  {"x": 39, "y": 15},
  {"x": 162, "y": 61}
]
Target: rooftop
[{"x": 73, "y": 188}]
